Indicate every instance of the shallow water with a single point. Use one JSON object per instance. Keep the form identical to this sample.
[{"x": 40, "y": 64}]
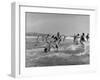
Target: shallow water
[{"x": 67, "y": 54}]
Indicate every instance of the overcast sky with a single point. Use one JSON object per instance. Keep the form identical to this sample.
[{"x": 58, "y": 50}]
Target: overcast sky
[{"x": 53, "y": 23}]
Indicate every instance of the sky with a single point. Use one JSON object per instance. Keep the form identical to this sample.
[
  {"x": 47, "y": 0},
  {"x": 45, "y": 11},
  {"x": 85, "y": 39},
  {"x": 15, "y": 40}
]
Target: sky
[{"x": 52, "y": 23}]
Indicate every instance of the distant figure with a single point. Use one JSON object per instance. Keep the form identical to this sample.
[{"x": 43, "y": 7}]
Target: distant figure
[
  {"x": 64, "y": 37},
  {"x": 76, "y": 38},
  {"x": 87, "y": 36},
  {"x": 82, "y": 39},
  {"x": 58, "y": 34},
  {"x": 46, "y": 37}
]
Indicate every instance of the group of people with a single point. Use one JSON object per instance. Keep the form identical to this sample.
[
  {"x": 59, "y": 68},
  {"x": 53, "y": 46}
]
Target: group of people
[
  {"x": 81, "y": 38},
  {"x": 52, "y": 41}
]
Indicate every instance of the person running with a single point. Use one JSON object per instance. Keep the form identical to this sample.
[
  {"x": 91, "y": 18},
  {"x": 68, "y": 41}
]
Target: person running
[
  {"x": 46, "y": 37},
  {"x": 87, "y": 36},
  {"x": 57, "y": 40},
  {"x": 76, "y": 38},
  {"x": 77, "y": 42},
  {"x": 82, "y": 39}
]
